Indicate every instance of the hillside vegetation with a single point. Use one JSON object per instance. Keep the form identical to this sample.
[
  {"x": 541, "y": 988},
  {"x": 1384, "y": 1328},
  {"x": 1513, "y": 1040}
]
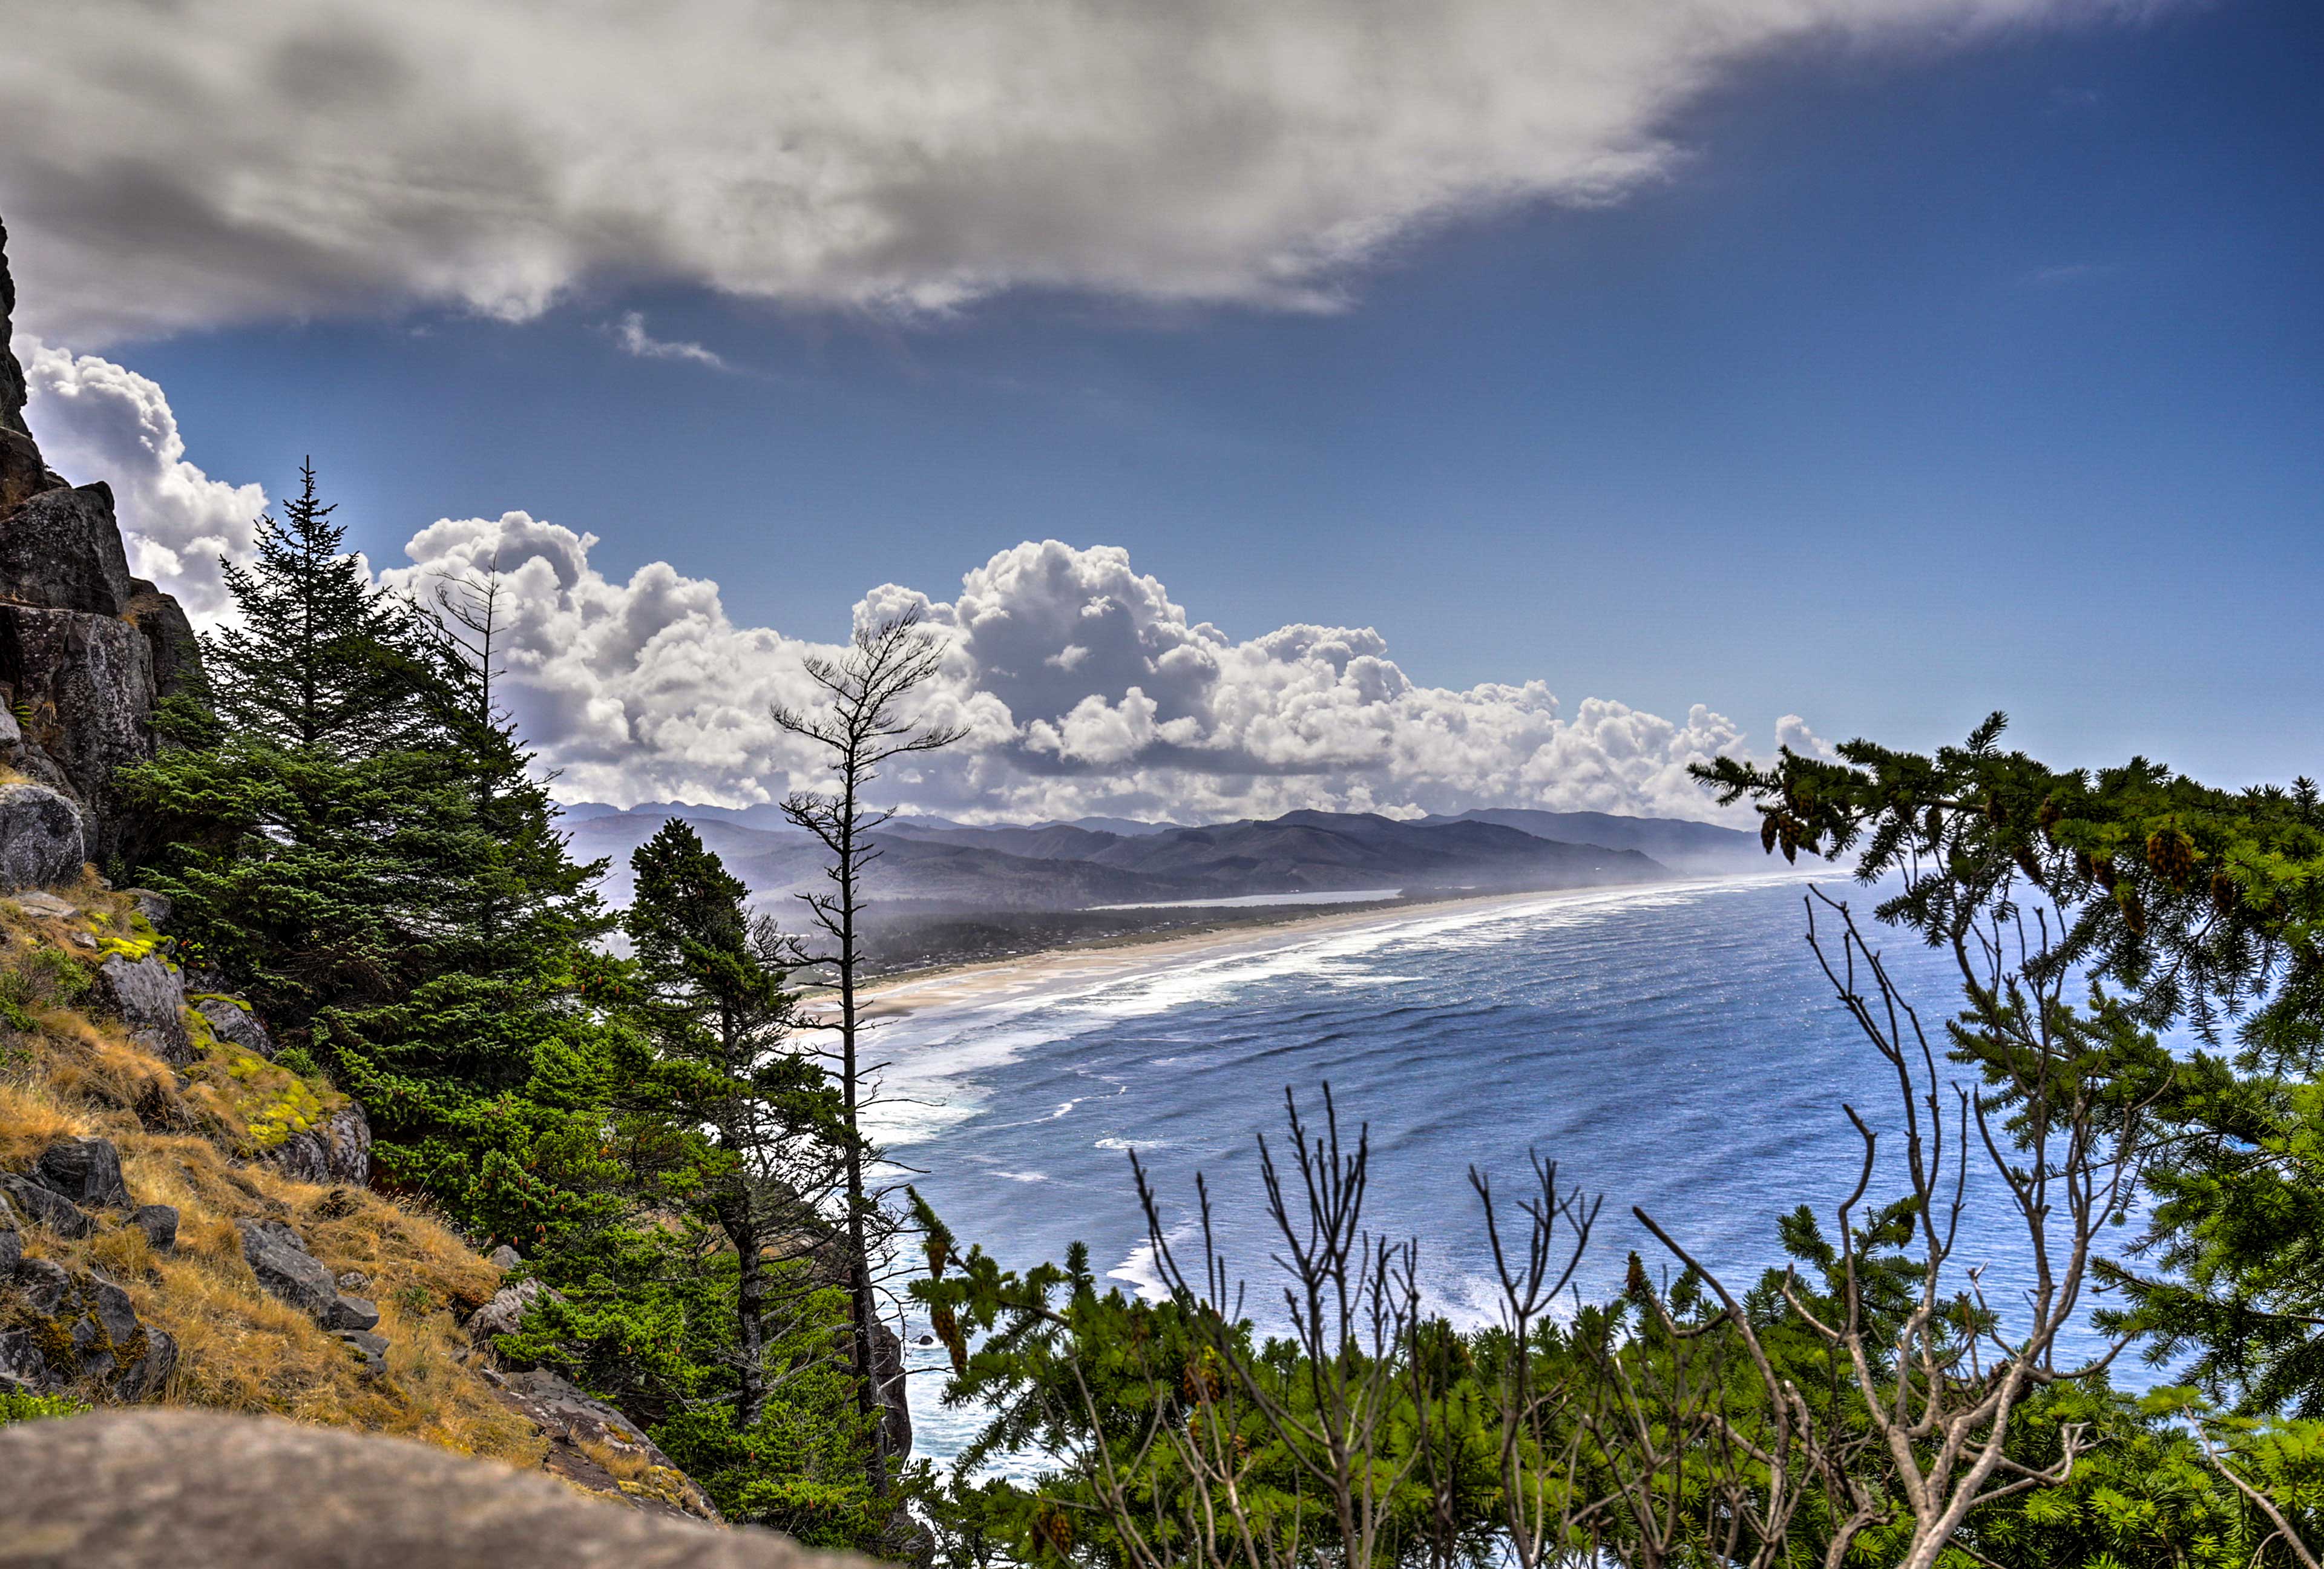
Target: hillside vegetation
[{"x": 198, "y": 1141}]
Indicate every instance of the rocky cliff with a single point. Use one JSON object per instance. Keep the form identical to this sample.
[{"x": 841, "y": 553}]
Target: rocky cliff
[
  {"x": 86, "y": 651},
  {"x": 183, "y": 1218}
]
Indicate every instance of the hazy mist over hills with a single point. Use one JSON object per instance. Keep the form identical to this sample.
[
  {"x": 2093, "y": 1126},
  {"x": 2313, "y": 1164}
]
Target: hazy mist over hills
[{"x": 934, "y": 863}]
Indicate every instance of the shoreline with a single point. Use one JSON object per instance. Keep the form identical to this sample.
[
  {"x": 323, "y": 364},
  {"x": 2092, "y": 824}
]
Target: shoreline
[{"x": 985, "y": 980}]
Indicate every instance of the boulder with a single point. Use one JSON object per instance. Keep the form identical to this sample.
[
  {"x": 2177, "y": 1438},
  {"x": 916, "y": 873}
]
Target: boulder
[
  {"x": 86, "y": 1171},
  {"x": 582, "y": 1431},
  {"x": 47, "y": 905},
  {"x": 507, "y": 1309},
  {"x": 353, "y": 1280},
  {"x": 43, "y": 1208},
  {"x": 159, "y": 1221},
  {"x": 85, "y": 682},
  {"x": 278, "y": 1256},
  {"x": 164, "y": 1489},
  {"x": 85, "y": 1331},
  {"x": 11, "y": 1241},
  {"x": 155, "y": 907},
  {"x": 12, "y": 374},
  {"x": 337, "y": 1150},
  {"x": 42, "y": 838},
  {"x": 503, "y": 1259},
  {"x": 150, "y": 999},
  {"x": 371, "y": 1350},
  {"x": 351, "y": 1313},
  {"x": 22, "y": 474},
  {"x": 302, "y": 1157},
  {"x": 20, "y": 1367},
  {"x": 177, "y": 655},
  {"x": 234, "y": 1021}
]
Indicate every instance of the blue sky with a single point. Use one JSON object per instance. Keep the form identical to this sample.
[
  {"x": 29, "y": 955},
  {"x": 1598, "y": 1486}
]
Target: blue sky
[{"x": 1920, "y": 384}]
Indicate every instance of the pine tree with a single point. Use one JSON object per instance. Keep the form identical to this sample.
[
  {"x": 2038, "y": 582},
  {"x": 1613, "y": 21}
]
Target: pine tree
[
  {"x": 321, "y": 655},
  {"x": 748, "y": 1126},
  {"x": 364, "y": 849}
]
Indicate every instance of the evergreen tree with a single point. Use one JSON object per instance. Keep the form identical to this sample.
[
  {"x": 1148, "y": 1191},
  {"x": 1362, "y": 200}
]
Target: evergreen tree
[
  {"x": 743, "y": 1130},
  {"x": 320, "y": 654},
  {"x": 364, "y": 850},
  {"x": 2194, "y": 905}
]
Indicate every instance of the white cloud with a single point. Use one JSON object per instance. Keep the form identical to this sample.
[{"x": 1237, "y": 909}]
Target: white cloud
[
  {"x": 631, "y": 332},
  {"x": 646, "y": 690},
  {"x": 1793, "y": 731},
  {"x": 96, "y": 420},
  {"x": 206, "y": 161},
  {"x": 1083, "y": 687}
]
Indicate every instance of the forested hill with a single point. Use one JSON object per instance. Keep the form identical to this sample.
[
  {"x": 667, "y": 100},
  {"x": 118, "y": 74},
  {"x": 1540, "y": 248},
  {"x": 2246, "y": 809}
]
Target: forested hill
[{"x": 1067, "y": 866}]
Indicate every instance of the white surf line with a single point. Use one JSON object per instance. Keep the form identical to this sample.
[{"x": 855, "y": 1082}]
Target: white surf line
[{"x": 1058, "y": 975}]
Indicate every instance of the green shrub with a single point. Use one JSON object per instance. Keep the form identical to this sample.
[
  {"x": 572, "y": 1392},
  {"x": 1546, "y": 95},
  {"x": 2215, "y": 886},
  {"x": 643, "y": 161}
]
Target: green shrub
[
  {"x": 295, "y": 1059},
  {"x": 22, "y": 1408}
]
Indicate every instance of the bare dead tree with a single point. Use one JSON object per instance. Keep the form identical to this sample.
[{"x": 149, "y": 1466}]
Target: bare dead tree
[
  {"x": 1940, "y": 1385},
  {"x": 861, "y": 722},
  {"x": 470, "y": 603},
  {"x": 1354, "y": 1305},
  {"x": 1538, "y": 1459}
]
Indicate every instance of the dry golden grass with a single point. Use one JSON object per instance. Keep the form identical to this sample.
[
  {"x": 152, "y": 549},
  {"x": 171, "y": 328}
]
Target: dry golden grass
[
  {"x": 32, "y": 1118},
  {"x": 238, "y": 1347}
]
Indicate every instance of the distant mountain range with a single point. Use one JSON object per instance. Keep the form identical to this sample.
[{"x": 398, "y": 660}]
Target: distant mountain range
[{"x": 935, "y": 863}]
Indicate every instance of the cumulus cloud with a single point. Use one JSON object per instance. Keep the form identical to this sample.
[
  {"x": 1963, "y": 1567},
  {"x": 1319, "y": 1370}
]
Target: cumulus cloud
[
  {"x": 95, "y": 419},
  {"x": 206, "y": 161},
  {"x": 646, "y": 690},
  {"x": 1083, "y": 688}
]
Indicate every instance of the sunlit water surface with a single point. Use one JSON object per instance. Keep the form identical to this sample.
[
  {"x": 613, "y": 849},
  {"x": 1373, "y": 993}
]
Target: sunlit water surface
[{"x": 1675, "y": 1048}]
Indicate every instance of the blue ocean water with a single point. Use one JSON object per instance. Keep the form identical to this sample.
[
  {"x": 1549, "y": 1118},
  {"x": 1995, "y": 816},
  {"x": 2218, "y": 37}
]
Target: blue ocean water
[{"x": 1674, "y": 1048}]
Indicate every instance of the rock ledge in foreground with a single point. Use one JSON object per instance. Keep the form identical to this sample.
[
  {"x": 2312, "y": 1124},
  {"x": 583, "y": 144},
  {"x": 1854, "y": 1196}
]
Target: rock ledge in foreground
[{"x": 161, "y": 1490}]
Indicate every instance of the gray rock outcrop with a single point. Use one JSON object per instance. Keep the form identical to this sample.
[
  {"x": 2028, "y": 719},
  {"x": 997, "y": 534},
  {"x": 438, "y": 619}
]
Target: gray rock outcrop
[
  {"x": 231, "y": 1020},
  {"x": 337, "y": 1150},
  {"x": 159, "y": 1221},
  {"x": 86, "y": 651},
  {"x": 580, "y": 1430},
  {"x": 43, "y": 1208},
  {"x": 149, "y": 996},
  {"x": 60, "y": 1328},
  {"x": 506, "y": 1310},
  {"x": 278, "y": 1256},
  {"x": 369, "y": 1349},
  {"x": 42, "y": 839},
  {"x": 163, "y": 1489},
  {"x": 348, "y": 1134},
  {"x": 86, "y": 1171},
  {"x": 351, "y": 1313},
  {"x": 888, "y": 1374},
  {"x": 155, "y": 907}
]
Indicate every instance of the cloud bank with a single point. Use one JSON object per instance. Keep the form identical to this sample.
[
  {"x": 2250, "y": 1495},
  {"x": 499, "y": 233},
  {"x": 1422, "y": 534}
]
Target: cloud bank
[
  {"x": 207, "y": 161},
  {"x": 1083, "y": 688}
]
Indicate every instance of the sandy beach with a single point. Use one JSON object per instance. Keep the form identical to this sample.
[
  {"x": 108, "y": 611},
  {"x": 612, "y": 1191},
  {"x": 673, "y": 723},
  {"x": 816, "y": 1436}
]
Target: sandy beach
[{"x": 1095, "y": 963}]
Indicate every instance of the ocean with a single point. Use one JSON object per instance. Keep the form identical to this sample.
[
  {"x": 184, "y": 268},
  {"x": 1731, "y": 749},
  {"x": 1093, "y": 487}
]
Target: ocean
[{"x": 1674, "y": 1048}]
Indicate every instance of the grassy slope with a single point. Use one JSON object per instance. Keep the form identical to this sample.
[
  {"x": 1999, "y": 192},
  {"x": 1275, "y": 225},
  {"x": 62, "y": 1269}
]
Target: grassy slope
[{"x": 65, "y": 1071}]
